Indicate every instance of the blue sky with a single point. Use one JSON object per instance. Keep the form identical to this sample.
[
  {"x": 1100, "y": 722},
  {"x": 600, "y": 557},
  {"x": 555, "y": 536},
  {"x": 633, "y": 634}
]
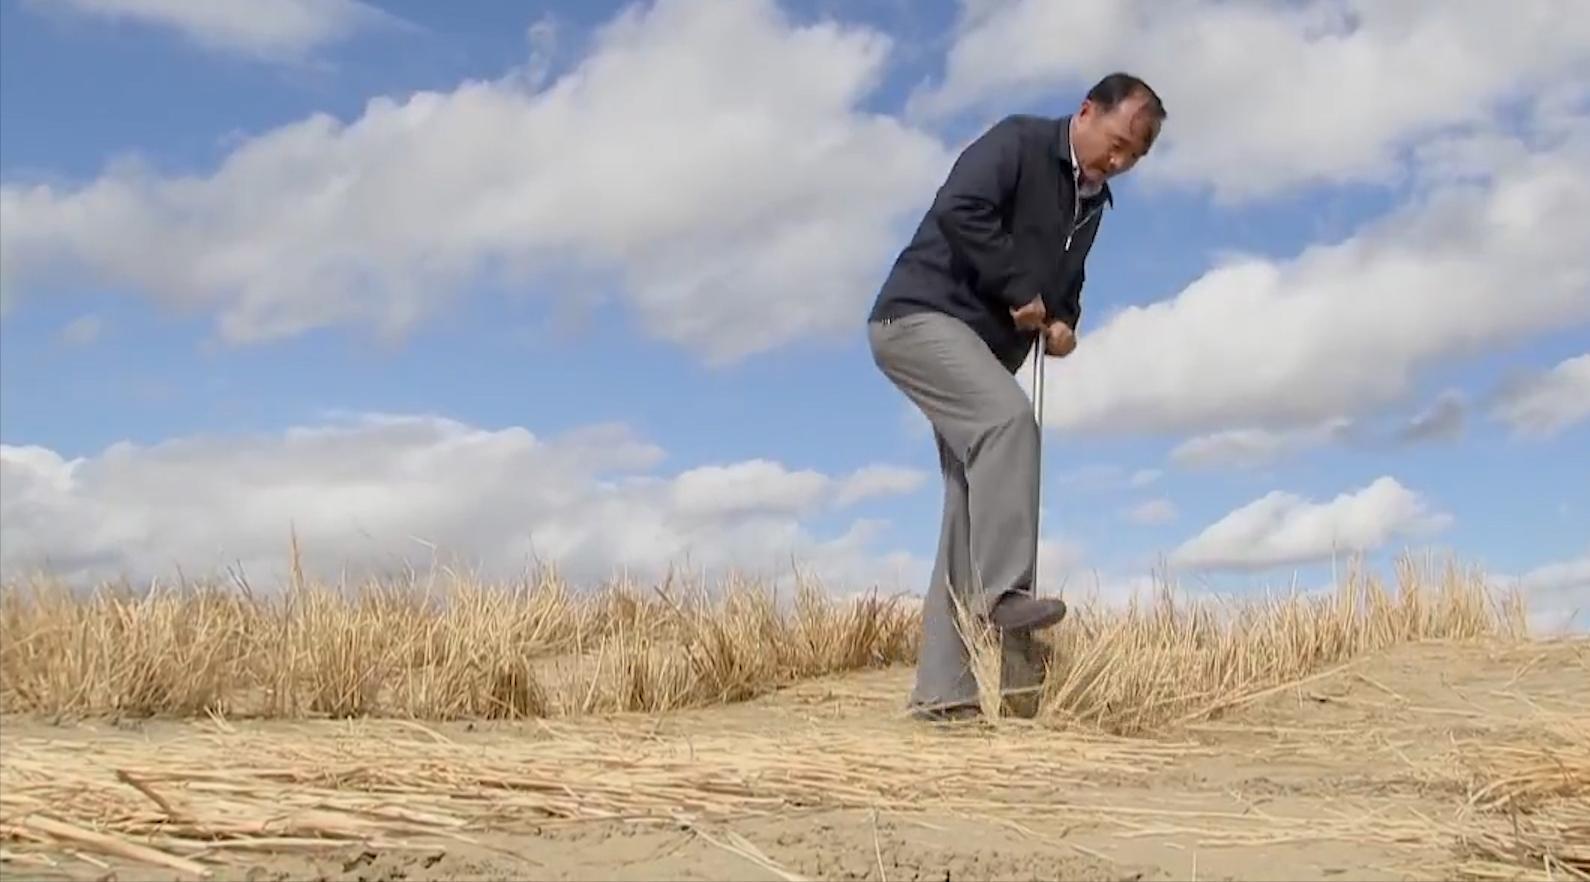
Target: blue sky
[{"x": 686, "y": 243}]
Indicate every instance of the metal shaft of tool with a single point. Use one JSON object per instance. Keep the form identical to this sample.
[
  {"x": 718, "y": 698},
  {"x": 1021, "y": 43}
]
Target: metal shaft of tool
[{"x": 1038, "y": 359}]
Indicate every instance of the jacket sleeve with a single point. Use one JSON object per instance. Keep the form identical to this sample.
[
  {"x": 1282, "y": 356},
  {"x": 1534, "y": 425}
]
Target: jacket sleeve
[
  {"x": 969, "y": 207},
  {"x": 1069, "y": 309}
]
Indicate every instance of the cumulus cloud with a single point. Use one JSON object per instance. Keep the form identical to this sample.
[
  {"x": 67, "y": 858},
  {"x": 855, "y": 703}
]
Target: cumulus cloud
[
  {"x": 1265, "y": 99},
  {"x": 1112, "y": 591},
  {"x": 1057, "y": 558},
  {"x": 371, "y": 491},
  {"x": 1252, "y": 448},
  {"x": 1152, "y": 513},
  {"x": 83, "y": 330},
  {"x": 1542, "y": 405},
  {"x": 1103, "y": 477},
  {"x": 707, "y": 160},
  {"x": 1144, "y": 477},
  {"x": 744, "y": 489},
  {"x": 1558, "y": 595},
  {"x": 1282, "y": 528},
  {"x": 268, "y": 29},
  {"x": 878, "y": 480},
  {"x": 1241, "y": 448},
  {"x": 1346, "y": 328},
  {"x": 1441, "y": 421}
]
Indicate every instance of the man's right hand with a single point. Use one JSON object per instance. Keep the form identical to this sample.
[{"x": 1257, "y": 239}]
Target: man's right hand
[
  {"x": 1060, "y": 341},
  {"x": 1032, "y": 316}
]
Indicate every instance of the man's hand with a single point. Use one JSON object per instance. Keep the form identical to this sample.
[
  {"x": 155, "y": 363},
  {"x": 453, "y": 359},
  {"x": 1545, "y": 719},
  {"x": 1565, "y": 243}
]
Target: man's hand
[
  {"x": 1059, "y": 339},
  {"x": 1032, "y": 316}
]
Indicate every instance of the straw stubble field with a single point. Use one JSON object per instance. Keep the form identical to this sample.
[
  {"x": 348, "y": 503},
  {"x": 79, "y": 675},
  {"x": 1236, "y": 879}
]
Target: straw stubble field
[{"x": 439, "y": 728}]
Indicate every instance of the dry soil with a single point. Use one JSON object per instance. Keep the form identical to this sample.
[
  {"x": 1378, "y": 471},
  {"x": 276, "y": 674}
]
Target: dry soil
[{"x": 1339, "y": 778}]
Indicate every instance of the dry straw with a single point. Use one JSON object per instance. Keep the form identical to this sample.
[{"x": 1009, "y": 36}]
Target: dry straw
[
  {"x": 1170, "y": 662},
  {"x": 445, "y": 650},
  {"x": 1529, "y": 804},
  {"x": 215, "y": 796},
  {"x": 204, "y": 797},
  {"x": 449, "y": 647}
]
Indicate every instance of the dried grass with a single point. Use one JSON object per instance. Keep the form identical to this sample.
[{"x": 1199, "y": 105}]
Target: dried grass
[
  {"x": 203, "y": 796},
  {"x": 448, "y": 649},
  {"x": 452, "y": 648},
  {"x": 1175, "y": 662},
  {"x": 208, "y": 796},
  {"x": 1528, "y": 810}
]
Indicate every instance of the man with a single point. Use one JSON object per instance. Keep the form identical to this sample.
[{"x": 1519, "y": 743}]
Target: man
[{"x": 997, "y": 261}]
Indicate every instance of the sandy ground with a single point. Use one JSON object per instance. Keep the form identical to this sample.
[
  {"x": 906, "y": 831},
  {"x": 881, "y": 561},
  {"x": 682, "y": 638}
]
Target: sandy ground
[{"x": 1339, "y": 778}]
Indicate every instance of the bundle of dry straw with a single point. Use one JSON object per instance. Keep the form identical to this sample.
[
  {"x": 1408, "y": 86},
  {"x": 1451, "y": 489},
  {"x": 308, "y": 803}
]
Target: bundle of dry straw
[
  {"x": 1528, "y": 811},
  {"x": 204, "y": 798},
  {"x": 1167, "y": 662},
  {"x": 448, "y": 649},
  {"x": 455, "y": 648}
]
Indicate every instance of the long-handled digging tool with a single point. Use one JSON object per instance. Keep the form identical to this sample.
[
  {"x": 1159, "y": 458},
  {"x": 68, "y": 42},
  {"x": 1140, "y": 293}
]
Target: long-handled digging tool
[
  {"x": 1038, "y": 358},
  {"x": 1025, "y": 655}
]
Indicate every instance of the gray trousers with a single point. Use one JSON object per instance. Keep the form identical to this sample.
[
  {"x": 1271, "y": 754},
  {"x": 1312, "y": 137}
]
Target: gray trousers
[{"x": 988, "y": 448}]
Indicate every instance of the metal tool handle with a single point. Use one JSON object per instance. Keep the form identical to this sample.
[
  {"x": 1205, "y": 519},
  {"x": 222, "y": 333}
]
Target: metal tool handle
[{"x": 1038, "y": 359}]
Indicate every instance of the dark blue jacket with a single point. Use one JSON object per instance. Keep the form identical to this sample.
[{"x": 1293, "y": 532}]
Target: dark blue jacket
[{"x": 1001, "y": 230}]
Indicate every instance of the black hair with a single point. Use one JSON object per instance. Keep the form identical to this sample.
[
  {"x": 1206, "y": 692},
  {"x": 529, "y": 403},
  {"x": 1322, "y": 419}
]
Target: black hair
[{"x": 1118, "y": 86}]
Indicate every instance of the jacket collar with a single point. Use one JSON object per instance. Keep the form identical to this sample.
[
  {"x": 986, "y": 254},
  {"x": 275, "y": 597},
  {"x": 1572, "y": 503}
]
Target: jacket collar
[{"x": 1062, "y": 152}]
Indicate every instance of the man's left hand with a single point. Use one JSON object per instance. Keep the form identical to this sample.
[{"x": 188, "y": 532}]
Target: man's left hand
[{"x": 1059, "y": 339}]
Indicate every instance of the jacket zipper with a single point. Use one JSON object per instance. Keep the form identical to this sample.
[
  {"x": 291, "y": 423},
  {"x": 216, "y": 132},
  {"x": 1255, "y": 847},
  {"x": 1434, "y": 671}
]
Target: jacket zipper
[
  {"x": 1078, "y": 225},
  {"x": 1076, "y": 206}
]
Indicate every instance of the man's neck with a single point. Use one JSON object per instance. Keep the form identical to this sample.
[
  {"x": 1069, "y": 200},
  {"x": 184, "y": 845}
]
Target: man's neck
[{"x": 1087, "y": 189}]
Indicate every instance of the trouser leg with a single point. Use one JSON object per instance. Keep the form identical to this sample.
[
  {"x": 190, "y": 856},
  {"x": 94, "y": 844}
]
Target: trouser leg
[
  {"x": 986, "y": 423},
  {"x": 988, "y": 451},
  {"x": 944, "y": 674}
]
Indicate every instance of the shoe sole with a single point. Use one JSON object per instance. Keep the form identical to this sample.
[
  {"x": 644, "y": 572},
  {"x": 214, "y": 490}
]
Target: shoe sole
[
  {"x": 1041, "y": 622},
  {"x": 946, "y": 715}
]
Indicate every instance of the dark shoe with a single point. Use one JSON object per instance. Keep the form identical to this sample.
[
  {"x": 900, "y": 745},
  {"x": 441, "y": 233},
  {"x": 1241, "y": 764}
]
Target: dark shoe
[
  {"x": 1023, "y": 670},
  {"x": 953, "y": 713},
  {"x": 1020, "y": 611}
]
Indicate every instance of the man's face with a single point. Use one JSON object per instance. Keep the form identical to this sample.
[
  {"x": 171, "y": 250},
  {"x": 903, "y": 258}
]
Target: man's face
[{"x": 1109, "y": 143}]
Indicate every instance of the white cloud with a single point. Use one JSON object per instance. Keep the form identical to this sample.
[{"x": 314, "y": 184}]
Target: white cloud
[
  {"x": 83, "y": 330},
  {"x": 712, "y": 159},
  {"x": 1251, "y": 448},
  {"x": 373, "y": 491},
  {"x": 1057, "y": 557},
  {"x": 1153, "y": 513},
  {"x": 1144, "y": 477},
  {"x": 269, "y": 29},
  {"x": 1545, "y": 404},
  {"x": 1112, "y": 591},
  {"x": 1060, "y": 558},
  {"x": 761, "y": 486},
  {"x": 1345, "y": 329},
  {"x": 1098, "y": 476},
  {"x": 1441, "y": 421},
  {"x": 1558, "y": 595},
  {"x": 1282, "y": 528},
  {"x": 1239, "y": 448},
  {"x": 1091, "y": 475},
  {"x": 758, "y": 486},
  {"x": 878, "y": 480},
  {"x": 1268, "y": 98}
]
